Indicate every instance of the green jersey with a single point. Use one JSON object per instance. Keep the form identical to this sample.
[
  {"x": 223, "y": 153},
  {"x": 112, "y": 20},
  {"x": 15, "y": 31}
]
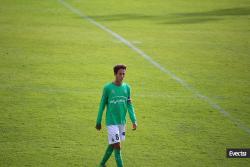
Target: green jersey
[{"x": 118, "y": 102}]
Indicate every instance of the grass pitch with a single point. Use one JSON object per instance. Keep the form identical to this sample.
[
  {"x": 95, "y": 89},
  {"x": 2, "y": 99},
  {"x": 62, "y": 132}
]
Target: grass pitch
[{"x": 53, "y": 65}]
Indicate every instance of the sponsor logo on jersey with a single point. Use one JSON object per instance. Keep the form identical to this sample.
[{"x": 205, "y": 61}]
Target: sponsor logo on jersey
[{"x": 118, "y": 99}]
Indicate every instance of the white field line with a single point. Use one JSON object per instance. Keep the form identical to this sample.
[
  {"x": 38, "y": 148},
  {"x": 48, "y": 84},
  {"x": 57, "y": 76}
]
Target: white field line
[{"x": 157, "y": 65}]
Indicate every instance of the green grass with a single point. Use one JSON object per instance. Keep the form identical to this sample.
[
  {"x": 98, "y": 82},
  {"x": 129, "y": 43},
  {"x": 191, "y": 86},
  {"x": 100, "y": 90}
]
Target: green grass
[{"x": 53, "y": 65}]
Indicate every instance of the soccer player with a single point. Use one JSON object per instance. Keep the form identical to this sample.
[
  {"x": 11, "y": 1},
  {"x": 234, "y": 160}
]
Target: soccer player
[{"x": 116, "y": 96}]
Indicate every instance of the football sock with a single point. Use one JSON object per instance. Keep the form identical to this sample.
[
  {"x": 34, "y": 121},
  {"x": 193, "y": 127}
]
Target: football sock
[
  {"x": 107, "y": 154},
  {"x": 118, "y": 157}
]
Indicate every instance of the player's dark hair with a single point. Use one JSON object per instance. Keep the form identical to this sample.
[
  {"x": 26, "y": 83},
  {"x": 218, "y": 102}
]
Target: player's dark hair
[{"x": 118, "y": 67}]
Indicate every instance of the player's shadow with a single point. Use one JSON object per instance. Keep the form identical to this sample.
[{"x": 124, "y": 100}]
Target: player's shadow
[
  {"x": 179, "y": 18},
  {"x": 214, "y": 15}
]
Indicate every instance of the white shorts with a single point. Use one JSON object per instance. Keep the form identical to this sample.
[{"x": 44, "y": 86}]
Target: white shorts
[{"x": 116, "y": 133}]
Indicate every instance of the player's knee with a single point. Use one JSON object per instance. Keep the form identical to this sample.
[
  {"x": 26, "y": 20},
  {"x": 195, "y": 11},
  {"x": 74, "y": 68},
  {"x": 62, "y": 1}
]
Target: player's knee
[{"x": 117, "y": 146}]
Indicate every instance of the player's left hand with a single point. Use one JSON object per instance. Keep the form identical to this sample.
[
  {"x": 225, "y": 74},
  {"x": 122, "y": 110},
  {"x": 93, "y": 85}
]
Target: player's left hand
[
  {"x": 98, "y": 127},
  {"x": 134, "y": 126}
]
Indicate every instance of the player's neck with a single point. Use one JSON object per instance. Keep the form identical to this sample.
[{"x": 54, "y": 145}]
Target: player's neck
[{"x": 117, "y": 83}]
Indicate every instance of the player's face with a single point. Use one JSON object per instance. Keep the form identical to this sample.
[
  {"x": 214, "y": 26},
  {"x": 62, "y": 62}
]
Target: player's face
[{"x": 120, "y": 75}]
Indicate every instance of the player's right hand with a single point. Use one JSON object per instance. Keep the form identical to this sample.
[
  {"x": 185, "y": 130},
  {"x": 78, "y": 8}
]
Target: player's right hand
[{"x": 98, "y": 126}]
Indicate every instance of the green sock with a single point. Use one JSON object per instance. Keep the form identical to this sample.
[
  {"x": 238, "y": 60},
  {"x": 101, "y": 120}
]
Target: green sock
[
  {"x": 107, "y": 154},
  {"x": 118, "y": 158}
]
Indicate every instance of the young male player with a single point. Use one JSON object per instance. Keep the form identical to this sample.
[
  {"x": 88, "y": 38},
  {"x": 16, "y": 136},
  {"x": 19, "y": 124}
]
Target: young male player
[{"x": 116, "y": 96}]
